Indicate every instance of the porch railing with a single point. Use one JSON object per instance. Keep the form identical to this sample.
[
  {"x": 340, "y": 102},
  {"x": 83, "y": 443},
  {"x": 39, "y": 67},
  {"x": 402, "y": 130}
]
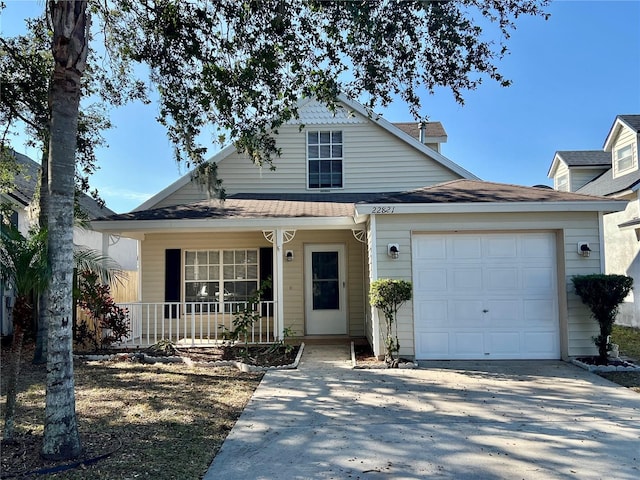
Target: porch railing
[{"x": 194, "y": 323}]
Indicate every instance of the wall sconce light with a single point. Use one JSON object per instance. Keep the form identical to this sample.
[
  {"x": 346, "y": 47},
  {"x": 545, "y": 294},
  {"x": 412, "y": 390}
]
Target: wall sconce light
[
  {"x": 289, "y": 255},
  {"x": 583, "y": 249},
  {"x": 393, "y": 250}
]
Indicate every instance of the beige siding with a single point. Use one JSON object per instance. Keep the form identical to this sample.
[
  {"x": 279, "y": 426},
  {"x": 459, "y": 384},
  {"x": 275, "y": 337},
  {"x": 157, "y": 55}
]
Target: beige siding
[
  {"x": 560, "y": 171},
  {"x": 625, "y": 137},
  {"x": 153, "y": 274},
  {"x": 374, "y": 161},
  {"x": 570, "y": 228},
  {"x": 580, "y": 177}
]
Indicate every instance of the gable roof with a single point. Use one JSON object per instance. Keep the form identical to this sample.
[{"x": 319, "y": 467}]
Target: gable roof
[
  {"x": 631, "y": 122},
  {"x": 26, "y": 183},
  {"x": 580, "y": 159},
  {"x": 350, "y": 105}
]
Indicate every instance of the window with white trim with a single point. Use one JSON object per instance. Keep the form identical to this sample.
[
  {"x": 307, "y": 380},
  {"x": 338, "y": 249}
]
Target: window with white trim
[
  {"x": 562, "y": 183},
  {"x": 324, "y": 157},
  {"x": 209, "y": 272},
  {"x": 623, "y": 159}
]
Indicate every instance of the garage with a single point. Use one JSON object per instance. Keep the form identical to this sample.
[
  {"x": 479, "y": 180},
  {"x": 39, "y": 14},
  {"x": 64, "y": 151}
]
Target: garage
[{"x": 485, "y": 296}]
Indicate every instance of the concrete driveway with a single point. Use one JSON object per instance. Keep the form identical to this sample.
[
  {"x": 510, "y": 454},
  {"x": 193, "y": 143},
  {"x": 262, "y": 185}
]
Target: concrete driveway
[{"x": 450, "y": 420}]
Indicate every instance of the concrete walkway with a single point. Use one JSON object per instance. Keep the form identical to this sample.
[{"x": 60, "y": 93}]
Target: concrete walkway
[{"x": 449, "y": 420}]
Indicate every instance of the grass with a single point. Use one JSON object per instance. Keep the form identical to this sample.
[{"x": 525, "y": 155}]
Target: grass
[
  {"x": 164, "y": 421},
  {"x": 628, "y": 338}
]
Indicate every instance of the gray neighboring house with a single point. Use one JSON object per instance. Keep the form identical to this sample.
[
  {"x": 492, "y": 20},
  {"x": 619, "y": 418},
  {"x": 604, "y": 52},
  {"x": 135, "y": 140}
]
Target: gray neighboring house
[
  {"x": 611, "y": 172},
  {"x": 122, "y": 250}
]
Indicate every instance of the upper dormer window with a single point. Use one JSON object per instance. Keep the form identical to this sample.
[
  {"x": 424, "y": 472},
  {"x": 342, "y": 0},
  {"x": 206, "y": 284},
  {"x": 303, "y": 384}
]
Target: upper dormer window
[
  {"x": 324, "y": 156},
  {"x": 562, "y": 183},
  {"x": 623, "y": 159}
]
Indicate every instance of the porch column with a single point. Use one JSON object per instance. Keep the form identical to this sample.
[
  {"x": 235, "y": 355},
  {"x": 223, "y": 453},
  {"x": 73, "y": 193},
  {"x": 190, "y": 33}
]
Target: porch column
[{"x": 278, "y": 286}]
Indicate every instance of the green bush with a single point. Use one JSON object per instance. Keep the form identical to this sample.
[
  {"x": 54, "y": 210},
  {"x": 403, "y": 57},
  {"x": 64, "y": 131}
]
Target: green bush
[
  {"x": 603, "y": 294},
  {"x": 389, "y": 295}
]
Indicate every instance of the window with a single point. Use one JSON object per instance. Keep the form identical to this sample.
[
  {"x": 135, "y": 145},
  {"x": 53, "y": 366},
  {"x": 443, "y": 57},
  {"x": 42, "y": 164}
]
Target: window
[
  {"x": 624, "y": 158},
  {"x": 324, "y": 154},
  {"x": 209, "y": 272},
  {"x": 562, "y": 183}
]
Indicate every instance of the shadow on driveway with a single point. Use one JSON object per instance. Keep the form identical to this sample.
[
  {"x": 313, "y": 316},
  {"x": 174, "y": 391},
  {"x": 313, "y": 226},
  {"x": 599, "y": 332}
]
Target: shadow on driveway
[{"x": 458, "y": 420}]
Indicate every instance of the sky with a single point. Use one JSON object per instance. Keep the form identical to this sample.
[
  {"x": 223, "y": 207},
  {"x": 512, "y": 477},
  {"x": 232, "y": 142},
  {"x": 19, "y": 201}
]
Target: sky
[{"x": 572, "y": 74}]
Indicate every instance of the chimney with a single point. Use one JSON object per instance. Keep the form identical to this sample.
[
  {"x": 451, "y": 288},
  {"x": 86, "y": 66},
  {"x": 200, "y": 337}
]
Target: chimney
[{"x": 422, "y": 126}]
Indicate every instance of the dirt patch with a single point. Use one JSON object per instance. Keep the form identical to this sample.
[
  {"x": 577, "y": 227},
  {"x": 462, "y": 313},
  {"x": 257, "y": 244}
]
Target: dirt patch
[{"x": 160, "y": 421}]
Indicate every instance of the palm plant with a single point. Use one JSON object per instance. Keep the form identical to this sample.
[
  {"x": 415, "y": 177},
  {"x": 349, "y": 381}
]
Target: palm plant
[{"x": 25, "y": 269}]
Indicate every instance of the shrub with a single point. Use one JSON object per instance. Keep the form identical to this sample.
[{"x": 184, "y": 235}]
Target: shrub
[
  {"x": 107, "y": 323},
  {"x": 389, "y": 295},
  {"x": 603, "y": 294}
]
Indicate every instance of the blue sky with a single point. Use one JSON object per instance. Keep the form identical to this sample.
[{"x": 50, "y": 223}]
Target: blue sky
[{"x": 572, "y": 74}]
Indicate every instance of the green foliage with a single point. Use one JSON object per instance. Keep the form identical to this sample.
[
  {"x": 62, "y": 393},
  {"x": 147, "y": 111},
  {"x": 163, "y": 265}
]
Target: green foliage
[
  {"x": 603, "y": 294},
  {"x": 240, "y": 68},
  {"x": 282, "y": 345},
  {"x": 246, "y": 316},
  {"x": 107, "y": 323},
  {"x": 389, "y": 295}
]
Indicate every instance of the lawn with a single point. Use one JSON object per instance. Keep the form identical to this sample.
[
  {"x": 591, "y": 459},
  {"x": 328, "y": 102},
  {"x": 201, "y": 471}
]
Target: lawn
[
  {"x": 628, "y": 338},
  {"x": 161, "y": 421}
]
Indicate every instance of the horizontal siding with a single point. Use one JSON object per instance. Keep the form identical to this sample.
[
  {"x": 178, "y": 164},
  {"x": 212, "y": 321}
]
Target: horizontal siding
[
  {"x": 580, "y": 177},
  {"x": 153, "y": 274},
  {"x": 570, "y": 227},
  {"x": 625, "y": 137},
  {"x": 374, "y": 161}
]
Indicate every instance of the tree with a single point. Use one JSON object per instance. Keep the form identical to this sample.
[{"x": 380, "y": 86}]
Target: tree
[
  {"x": 25, "y": 269},
  {"x": 603, "y": 294},
  {"x": 389, "y": 295},
  {"x": 241, "y": 68}
]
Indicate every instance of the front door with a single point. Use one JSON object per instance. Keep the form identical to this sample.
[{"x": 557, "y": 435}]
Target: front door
[{"x": 325, "y": 284}]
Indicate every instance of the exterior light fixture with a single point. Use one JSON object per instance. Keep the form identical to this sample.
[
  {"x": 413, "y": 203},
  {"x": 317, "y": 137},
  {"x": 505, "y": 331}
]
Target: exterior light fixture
[
  {"x": 583, "y": 249},
  {"x": 393, "y": 250},
  {"x": 289, "y": 255}
]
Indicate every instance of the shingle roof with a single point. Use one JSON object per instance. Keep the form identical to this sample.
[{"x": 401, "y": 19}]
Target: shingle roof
[
  {"x": 433, "y": 129},
  {"x": 632, "y": 121},
  {"x": 585, "y": 158},
  {"x": 248, "y": 205},
  {"x": 27, "y": 180},
  {"x": 474, "y": 191},
  {"x": 606, "y": 185}
]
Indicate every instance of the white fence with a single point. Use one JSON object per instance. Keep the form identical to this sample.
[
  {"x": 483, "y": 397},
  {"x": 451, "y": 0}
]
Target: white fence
[{"x": 195, "y": 324}]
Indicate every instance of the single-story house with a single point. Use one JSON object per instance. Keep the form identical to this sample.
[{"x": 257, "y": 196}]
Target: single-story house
[
  {"x": 353, "y": 199},
  {"x": 611, "y": 172}
]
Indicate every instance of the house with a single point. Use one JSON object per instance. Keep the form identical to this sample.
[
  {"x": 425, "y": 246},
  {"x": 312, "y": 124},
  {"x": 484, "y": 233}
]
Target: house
[
  {"x": 355, "y": 198},
  {"x": 611, "y": 172},
  {"x": 21, "y": 199}
]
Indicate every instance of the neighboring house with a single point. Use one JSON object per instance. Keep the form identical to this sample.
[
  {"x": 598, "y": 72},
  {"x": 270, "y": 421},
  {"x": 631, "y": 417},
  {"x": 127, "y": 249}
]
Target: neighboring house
[
  {"x": 122, "y": 250},
  {"x": 612, "y": 172},
  {"x": 355, "y": 199}
]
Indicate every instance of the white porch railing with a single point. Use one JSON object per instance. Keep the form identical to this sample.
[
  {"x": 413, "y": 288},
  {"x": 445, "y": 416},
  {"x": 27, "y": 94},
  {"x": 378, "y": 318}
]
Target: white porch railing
[{"x": 193, "y": 324}]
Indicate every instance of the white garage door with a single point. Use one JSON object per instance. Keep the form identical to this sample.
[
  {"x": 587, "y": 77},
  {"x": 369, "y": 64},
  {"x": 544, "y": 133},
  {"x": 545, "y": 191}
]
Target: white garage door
[{"x": 485, "y": 296}]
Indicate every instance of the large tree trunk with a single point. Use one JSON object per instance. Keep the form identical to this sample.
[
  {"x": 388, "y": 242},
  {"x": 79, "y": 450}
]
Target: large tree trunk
[
  {"x": 40, "y": 353},
  {"x": 70, "y": 37}
]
